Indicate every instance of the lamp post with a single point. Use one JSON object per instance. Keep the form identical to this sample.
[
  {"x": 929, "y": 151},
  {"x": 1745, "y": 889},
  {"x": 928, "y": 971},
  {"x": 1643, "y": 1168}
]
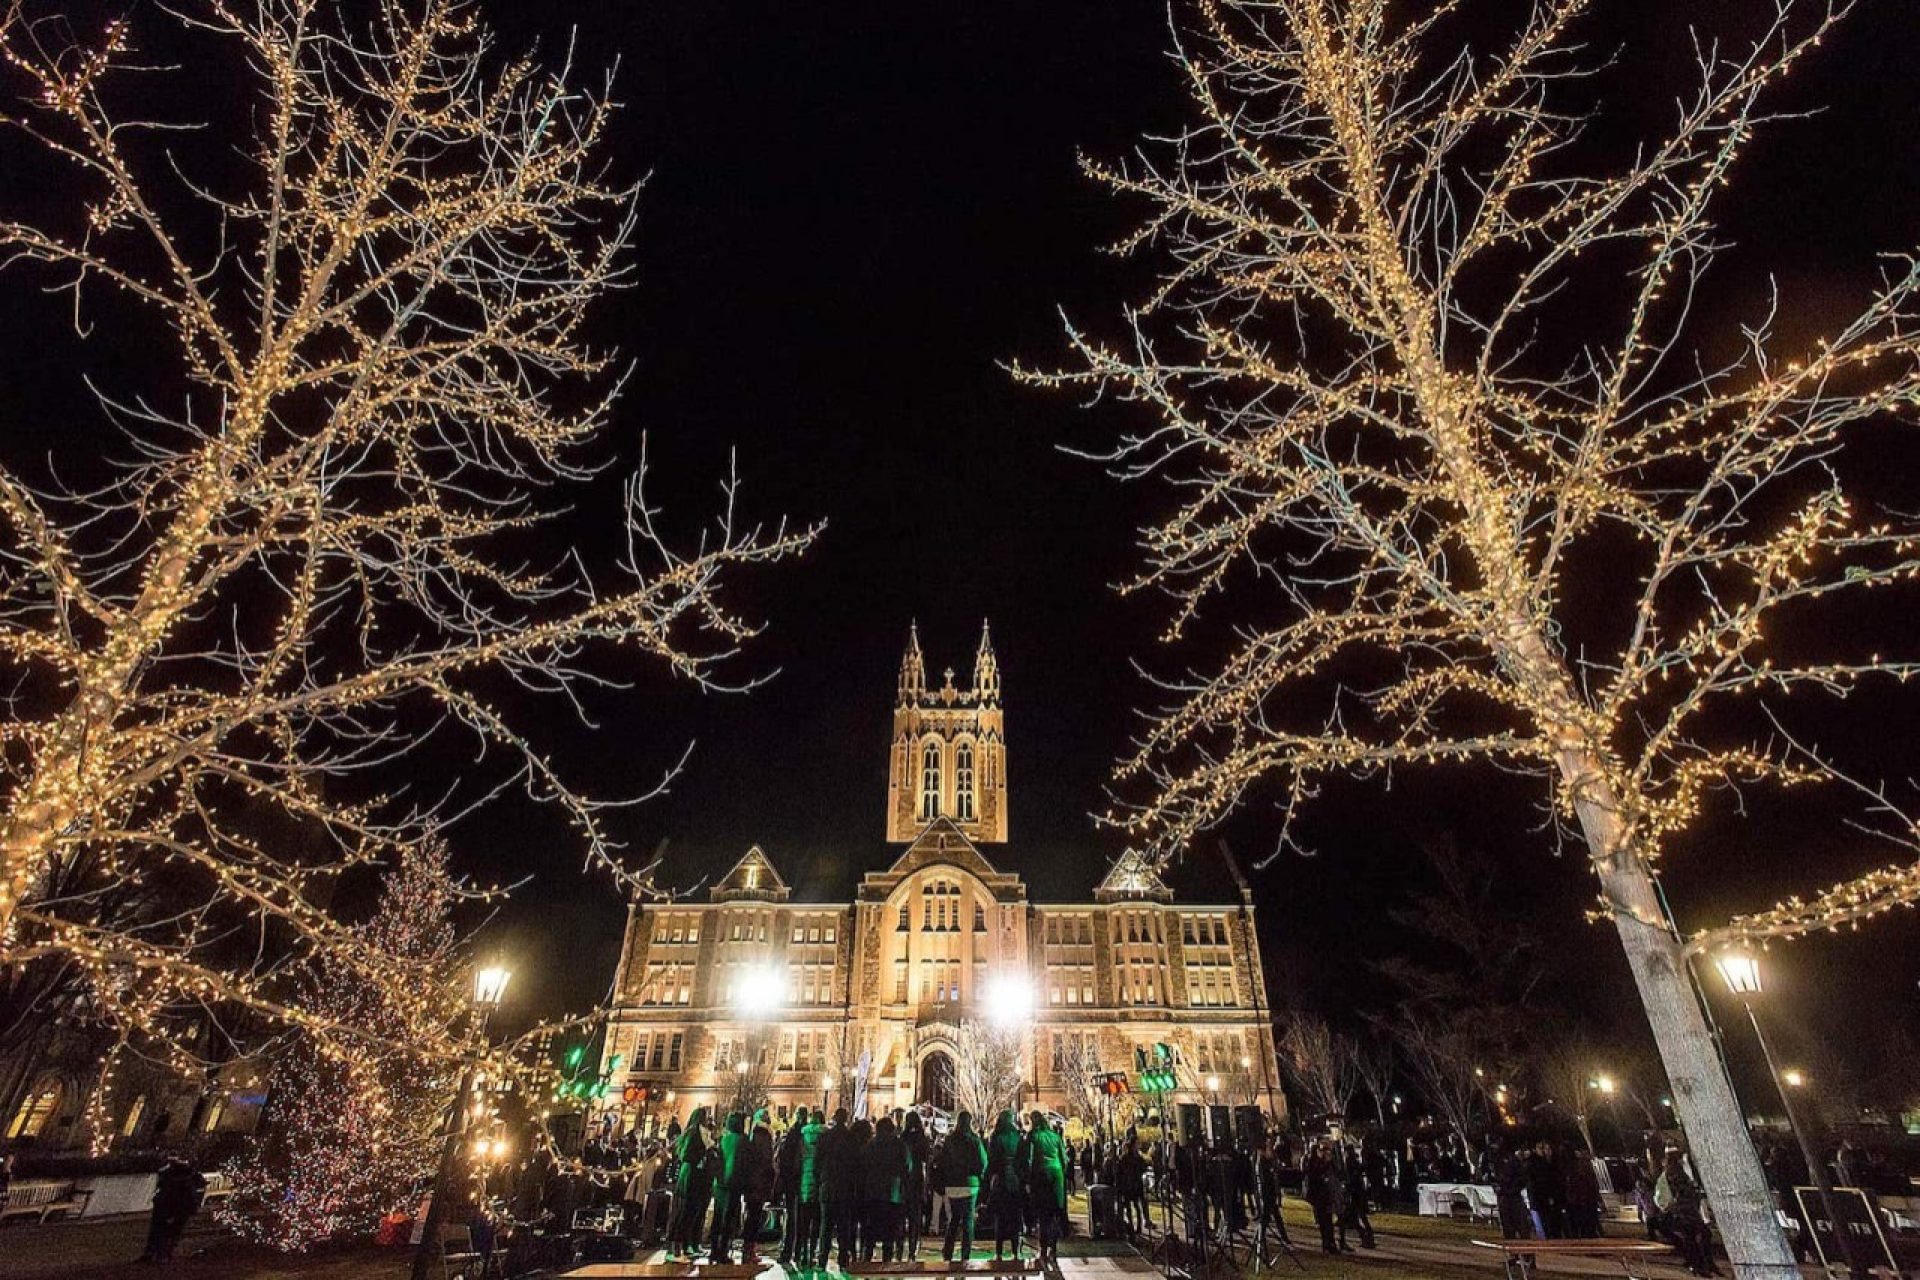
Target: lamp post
[
  {"x": 1740, "y": 970},
  {"x": 826, "y": 1092},
  {"x": 489, "y": 985}
]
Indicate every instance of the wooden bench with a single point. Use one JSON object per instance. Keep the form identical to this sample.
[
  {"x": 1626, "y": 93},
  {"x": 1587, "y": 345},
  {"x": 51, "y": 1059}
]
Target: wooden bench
[
  {"x": 42, "y": 1198},
  {"x": 1517, "y": 1255},
  {"x": 219, "y": 1187}
]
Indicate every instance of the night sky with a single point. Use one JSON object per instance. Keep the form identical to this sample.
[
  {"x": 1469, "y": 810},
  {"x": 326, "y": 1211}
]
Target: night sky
[
  {"x": 855, "y": 213},
  {"x": 853, "y": 216}
]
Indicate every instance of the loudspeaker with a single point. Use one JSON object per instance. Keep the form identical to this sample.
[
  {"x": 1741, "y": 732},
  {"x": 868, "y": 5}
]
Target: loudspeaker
[
  {"x": 605, "y": 1249},
  {"x": 1188, "y": 1125},
  {"x": 1220, "y": 1124},
  {"x": 1250, "y": 1126}
]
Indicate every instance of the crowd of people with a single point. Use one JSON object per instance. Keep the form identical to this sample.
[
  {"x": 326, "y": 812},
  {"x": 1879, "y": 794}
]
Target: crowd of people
[
  {"x": 870, "y": 1189},
  {"x": 826, "y": 1189}
]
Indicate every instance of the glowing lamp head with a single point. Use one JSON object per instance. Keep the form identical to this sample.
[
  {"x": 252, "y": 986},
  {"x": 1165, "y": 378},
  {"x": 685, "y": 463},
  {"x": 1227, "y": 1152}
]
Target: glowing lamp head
[
  {"x": 1740, "y": 970},
  {"x": 1606, "y": 1085},
  {"x": 1009, "y": 1000},
  {"x": 827, "y": 1084},
  {"x": 490, "y": 985},
  {"x": 760, "y": 991},
  {"x": 1793, "y": 1077},
  {"x": 1213, "y": 1084}
]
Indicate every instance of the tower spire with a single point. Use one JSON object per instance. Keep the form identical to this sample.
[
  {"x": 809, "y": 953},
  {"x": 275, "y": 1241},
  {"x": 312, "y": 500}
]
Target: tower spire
[
  {"x": 913, "y": 668},
  {"x": 986, "y": 668}
]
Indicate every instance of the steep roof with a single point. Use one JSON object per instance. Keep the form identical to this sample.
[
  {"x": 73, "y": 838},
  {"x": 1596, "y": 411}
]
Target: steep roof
[
  {"x": 1132, "y": 876},
  {"x": 942, "y": 843},
  {"x": 753, "y": 876}
]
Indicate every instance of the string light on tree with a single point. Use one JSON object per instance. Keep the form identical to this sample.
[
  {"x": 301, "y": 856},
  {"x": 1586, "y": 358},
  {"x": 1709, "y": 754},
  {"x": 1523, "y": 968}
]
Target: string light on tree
[{"x": 1453, "y": 506}]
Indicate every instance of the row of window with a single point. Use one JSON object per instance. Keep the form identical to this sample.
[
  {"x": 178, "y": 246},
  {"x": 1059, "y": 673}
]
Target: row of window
[
  {"x": 807, "y": 1050},
  {"x": 1070, "y": 984},
  {"x": 668, "y": 984},
  {"x": 941, "y": 909},
  {"x": 658, "y": 1051},
  {"x": 931, "y": 794},
  {"x": 1218, "y": 1051}
]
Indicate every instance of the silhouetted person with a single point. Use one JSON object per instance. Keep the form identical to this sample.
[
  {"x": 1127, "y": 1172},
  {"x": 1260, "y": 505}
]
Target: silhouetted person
[{"x": 176, "y": 1198}]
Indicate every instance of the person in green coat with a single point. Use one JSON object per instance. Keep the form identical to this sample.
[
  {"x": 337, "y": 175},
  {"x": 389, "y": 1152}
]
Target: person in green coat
[
  {"x": 727, "y": 1188},
  {"x": 1047, "y": 1185},
  {"x": 807, "y": 1207},
  {"x": 963, "y": 1162},
  {"x": 1006, "y": 1185},
  {"x": 692, "y": 1182}
]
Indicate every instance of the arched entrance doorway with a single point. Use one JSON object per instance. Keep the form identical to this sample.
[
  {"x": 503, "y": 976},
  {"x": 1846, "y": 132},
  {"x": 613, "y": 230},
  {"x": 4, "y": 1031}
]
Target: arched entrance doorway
[{"x": 935, "y": 1084}]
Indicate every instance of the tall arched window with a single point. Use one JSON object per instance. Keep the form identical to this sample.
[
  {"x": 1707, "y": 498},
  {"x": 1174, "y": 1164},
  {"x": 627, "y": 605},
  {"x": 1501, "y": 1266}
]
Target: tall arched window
[
  {"x": 930, "y": 781},
  {"x": 963, "y": 782},
  {"x": 39, "y": 1107}
]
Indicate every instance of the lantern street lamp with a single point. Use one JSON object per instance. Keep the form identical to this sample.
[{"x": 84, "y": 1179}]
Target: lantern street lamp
[
  {"x": 489, "y": 988},
  {"x": 826, "y": 1091},
  {"x": 1740, "y": 970}
]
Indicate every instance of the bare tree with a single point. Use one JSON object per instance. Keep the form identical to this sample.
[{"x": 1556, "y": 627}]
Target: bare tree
[
  {"x": 324, "y": 549},
  {"x": 843, "y": 1056},
  {"x": 1076, "y": 1069},
  {"x": 1426, "y": 375},
  {"x": 989, "y": 1068},
  {"x": 749, "y": 1080},
  {"x": 1443, "y": 1069},
  {"x": 1323, "y": 1064},
  {"x": 1571, "y": 1080},
  {"x": 1374, "y": 1058}
]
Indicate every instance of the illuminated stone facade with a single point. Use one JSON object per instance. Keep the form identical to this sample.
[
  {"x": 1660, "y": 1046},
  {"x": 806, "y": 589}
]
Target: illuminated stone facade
[{"x": 807, "y": 990}]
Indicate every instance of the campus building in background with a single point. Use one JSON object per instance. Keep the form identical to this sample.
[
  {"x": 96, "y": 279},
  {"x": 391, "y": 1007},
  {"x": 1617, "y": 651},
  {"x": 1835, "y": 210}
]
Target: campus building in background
[{"x": 826, "y": 1000}]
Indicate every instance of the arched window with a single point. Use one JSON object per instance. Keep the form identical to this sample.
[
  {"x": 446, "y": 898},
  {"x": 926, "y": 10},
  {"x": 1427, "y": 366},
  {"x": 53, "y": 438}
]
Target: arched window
[
  {"x": 930, "y": 781},
  {"x": 31, "y": 1120},
  {"x": 134, "y": 1115},
  {"x": 963, "y": 782}
]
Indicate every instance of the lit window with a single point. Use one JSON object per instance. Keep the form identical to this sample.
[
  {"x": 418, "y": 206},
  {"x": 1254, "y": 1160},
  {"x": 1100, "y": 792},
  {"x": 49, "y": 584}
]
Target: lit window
[
  {"x": 35, "y": 1112},
  {"x": 930, "y": 781},
  {"x": 963, "y": 782},
  {"x": 134, "y": 1112}
]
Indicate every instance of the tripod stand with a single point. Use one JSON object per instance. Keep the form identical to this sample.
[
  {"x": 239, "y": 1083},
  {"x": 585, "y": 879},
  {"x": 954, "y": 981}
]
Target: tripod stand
[
  {"x": 1183, "y": 1251},
  {"x": 1272, "y": 1230},
  {"x": 1237, "y": 1236}
]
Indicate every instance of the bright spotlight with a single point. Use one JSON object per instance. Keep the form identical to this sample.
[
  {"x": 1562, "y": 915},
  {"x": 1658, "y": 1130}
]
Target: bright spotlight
[
  {"x": 759, "y": 991},
  {"x": 1009, "y": 1001}
]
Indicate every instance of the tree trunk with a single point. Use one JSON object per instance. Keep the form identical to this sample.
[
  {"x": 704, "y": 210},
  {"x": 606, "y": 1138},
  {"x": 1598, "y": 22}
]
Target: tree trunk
[{"x": 1703, "y": 1097}]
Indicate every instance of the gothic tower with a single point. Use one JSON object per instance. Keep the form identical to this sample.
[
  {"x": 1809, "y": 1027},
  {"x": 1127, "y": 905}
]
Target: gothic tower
[{"x": 949, "y": 757}]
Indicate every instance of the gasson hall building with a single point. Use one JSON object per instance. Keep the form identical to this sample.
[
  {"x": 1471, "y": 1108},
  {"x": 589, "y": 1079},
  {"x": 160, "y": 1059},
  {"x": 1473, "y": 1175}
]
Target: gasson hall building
[{"x": 833, "y": 1000}]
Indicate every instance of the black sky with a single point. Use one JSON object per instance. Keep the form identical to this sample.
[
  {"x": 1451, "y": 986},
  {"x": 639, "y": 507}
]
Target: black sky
[{"x": 854, "y": 212}]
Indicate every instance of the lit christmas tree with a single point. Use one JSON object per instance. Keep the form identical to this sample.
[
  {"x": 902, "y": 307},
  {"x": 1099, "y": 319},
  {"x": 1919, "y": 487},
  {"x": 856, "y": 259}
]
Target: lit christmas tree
[{"x": 347, "y": 1135}]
